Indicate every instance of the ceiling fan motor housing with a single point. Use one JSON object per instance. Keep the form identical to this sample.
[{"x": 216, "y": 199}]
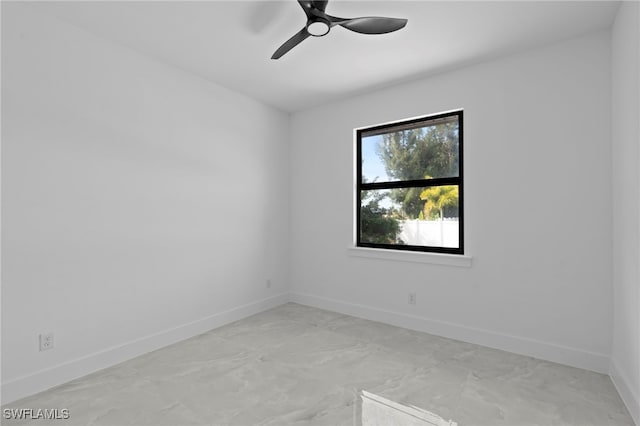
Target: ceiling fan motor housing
[{"x": 318, "y": 27}]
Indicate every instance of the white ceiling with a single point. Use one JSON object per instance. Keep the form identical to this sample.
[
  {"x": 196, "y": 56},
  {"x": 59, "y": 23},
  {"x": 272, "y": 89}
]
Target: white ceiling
[{"x": 231, "y": 42}]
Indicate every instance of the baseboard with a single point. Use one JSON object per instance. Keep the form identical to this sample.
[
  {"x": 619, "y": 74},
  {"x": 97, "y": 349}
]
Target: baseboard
[
  {"x": 630, "y": 399},
  {"x": 44, "y": 379},
  {"x": 523, "y": 346},
  {"x": 39, "y": 381}
]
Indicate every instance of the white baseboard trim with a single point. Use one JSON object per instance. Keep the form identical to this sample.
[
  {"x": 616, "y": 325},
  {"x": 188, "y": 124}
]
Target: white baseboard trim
[
  {"x": 39, "y": 381},
  {"x": 630, "y": 399},
  {"x": 519, "y": 345}
]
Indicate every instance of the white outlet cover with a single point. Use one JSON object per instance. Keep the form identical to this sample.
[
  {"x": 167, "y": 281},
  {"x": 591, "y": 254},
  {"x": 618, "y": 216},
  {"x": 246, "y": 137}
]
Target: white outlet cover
[{"x": 46, "y": 341}]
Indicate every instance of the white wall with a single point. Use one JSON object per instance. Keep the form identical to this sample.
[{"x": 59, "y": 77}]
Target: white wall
[
  {"x": 537, "y": 150},
  {"x": 141, "y": 205},
  {"x": 625, "y": 357}
]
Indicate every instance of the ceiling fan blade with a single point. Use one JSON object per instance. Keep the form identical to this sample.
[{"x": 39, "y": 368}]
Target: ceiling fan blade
[
  {"x": 306, "y": 5},
  {"x": 320, "y": 4},
  {"x": 291, "y": 43},
  {"x": 371, "y": 24}
]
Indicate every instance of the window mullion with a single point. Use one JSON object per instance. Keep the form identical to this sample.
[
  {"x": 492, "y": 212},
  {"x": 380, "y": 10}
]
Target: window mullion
[{"x": 418, "y": 183}]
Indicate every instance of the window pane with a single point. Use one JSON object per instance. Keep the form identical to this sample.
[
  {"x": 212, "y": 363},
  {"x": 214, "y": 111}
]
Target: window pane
[
  {"x": 430, "y": 151},
  {"x": 379, "y": 218},
  {"x": 437, "y": 224},
  {"x": 373, "y": 168},
  {"x": 414, "y": 216}
]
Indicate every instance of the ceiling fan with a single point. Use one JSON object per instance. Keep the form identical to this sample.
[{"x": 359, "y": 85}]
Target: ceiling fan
[{"x": 319, "y": 23}]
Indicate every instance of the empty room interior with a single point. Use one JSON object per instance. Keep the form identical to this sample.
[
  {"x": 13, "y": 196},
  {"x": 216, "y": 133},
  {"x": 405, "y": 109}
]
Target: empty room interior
[{"x": 320, "y": 213}]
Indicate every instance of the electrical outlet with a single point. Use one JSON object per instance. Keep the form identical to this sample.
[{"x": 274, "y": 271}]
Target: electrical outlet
[
  {"x": 268, "y": 283},
  {"x": 412, "y": 298},
  {"x": 46, "y": 341}
]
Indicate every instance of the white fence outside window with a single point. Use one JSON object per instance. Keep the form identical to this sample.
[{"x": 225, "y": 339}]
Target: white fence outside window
[{"x": 438, "y": 233}]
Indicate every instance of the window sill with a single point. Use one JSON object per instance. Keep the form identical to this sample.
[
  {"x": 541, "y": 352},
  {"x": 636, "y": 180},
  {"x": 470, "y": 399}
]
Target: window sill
[{"x": 463, "y": 261}]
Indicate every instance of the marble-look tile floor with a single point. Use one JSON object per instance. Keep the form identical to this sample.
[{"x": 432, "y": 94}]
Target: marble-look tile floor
[{"x": 297, "y": 365}]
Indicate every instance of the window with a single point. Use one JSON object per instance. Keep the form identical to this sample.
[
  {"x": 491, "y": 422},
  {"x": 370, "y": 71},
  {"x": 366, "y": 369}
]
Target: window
[{"x": 409, "y": 185}]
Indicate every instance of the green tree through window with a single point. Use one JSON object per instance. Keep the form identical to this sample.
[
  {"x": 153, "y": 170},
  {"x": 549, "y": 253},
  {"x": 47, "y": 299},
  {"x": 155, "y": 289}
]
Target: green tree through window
[{"x": 418, "y": 153}]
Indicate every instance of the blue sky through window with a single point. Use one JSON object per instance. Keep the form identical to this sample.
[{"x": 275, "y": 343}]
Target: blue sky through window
[{"x": 372, "y": 166}]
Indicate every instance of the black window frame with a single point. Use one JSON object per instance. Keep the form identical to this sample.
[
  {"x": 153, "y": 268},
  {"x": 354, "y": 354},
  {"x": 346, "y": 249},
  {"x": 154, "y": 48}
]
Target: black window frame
[{"x": 420, "y": 183}]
